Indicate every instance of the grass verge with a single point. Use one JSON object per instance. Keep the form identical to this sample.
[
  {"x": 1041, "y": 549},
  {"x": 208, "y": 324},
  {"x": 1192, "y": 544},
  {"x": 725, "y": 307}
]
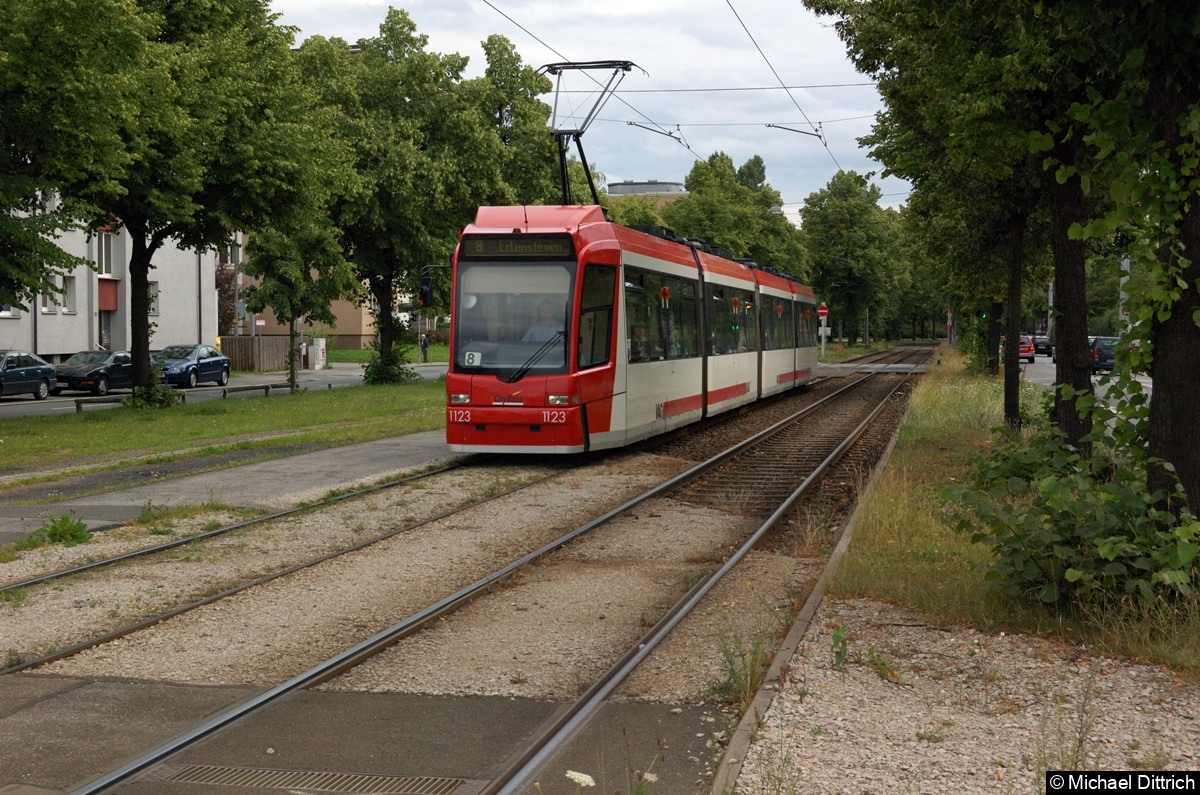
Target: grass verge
[
  {"x": 341, "y": 416},
  {"x": 904, "y": 551}
]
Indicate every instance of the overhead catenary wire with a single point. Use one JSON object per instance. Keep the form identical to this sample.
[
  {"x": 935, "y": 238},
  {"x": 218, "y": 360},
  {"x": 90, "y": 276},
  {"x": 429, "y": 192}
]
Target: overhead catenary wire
[
  {"x": 816, "y": 129},
  {"x": 658, "y": 127},
  {"x": 675, "y": 130}
]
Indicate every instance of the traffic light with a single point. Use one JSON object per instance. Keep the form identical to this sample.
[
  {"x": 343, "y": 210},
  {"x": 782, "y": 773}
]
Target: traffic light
[{"x": 425, "y": 292}]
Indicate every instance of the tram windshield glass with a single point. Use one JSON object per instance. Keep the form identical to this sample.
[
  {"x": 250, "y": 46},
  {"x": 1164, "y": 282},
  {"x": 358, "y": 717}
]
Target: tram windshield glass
[{"x": 512, "y": 318}]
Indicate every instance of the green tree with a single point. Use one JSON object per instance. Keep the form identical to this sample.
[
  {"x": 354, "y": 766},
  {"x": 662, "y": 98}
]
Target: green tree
[
  {"x": 963, "y": 91},
  {"x": 753, "y": 173},
  {"x": 633, "y": 210},
  {"x": 427, "y": 155},
  {"x": 67, "y": 95},
  {"x": 854, "y": 249},
  {"x": 1145, "y": 130},
  {"x": 219, "y": 142},
  {"x": 302, "y": 272},
  {"x": 509, "y": 95}
]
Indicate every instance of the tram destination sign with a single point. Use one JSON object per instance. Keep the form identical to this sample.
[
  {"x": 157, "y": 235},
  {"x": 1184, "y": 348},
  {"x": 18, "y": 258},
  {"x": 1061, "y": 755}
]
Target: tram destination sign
[{"x": 517, "y": 247}]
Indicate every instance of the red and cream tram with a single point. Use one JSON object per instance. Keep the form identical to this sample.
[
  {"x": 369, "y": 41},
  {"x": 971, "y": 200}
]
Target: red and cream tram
[{"x": 570, "y": 333}]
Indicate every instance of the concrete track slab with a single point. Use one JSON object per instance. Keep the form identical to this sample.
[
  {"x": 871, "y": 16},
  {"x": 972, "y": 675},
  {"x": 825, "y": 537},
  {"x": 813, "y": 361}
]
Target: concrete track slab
[{"x": 64, "y": 732}]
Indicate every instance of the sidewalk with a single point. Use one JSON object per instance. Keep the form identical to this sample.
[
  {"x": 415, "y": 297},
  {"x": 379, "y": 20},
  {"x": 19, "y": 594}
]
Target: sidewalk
[{"x": 272, "y": 485}]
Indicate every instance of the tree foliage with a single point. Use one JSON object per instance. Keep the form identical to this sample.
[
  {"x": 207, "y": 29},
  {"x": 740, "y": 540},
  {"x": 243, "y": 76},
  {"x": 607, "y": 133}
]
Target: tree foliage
[
  {"x": 68, "y": 93},
  {"x": 217, "y": 144},
  {"x": 748, "y": 221},
  {"x": 429, "y": 148},
  {"x": 854, "y": 247}
]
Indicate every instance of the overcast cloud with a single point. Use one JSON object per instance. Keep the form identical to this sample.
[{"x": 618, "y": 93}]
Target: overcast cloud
[{"x": 681, "y": 46}]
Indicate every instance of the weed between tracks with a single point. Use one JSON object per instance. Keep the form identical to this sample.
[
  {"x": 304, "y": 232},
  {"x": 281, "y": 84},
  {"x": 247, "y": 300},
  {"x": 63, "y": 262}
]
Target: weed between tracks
[{"x": 64, "y": 529}]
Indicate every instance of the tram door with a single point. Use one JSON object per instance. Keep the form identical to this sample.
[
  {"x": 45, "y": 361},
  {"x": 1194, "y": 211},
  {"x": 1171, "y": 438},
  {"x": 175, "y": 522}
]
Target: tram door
[{"x": 594, "y": 354}]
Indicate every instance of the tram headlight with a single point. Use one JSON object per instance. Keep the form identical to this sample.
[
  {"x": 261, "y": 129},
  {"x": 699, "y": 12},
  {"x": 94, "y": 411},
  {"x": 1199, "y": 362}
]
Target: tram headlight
[
  {"x": 460, "y": 398},
  {"x": 558, "y": 400}
]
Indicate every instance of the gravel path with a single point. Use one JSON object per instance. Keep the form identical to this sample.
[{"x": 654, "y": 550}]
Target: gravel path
[
  {"x": 900, "y": 707},
  {"x": 907, "y": 707}
]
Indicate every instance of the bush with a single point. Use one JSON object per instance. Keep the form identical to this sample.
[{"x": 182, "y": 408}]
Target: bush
[
  {"x": 389, "y": 368},
  {"x": 1070, "y": 531},
  {"x": 159, "y": 396}
]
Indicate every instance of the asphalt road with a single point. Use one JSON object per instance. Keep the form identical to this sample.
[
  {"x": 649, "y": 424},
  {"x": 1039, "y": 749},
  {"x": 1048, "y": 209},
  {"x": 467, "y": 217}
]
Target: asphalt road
[{"x": 1041, "y": 372}]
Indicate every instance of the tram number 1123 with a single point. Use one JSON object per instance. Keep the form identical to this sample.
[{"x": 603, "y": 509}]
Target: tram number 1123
[{"x": 554, "y": 417}]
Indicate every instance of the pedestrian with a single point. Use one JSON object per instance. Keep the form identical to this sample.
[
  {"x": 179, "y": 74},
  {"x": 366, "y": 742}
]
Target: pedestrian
[{"x": 424, "y": 349}]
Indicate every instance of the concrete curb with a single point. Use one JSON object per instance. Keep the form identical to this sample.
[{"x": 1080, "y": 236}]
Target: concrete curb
[{"x": 730, "y": 766}]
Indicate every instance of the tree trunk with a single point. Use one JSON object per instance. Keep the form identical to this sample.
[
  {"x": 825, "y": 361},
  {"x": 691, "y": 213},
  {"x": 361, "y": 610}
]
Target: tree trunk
[
  {"x": 293, "y": 355},
  {"x": 384, "y": 293},
  {"x": 1073, "y": 359},
  {"x": 1012, "y": 353},
  {"x": 144, "y": 376},
  {"x": 994, "y": 333},
  {"x": 1174, "y": 432}
]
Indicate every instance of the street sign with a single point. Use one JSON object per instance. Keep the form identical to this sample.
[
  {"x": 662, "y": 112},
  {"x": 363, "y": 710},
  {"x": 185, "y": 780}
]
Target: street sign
[{"x": 822, "y": 310}]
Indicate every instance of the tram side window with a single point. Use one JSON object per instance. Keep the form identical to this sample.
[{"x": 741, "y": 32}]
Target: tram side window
[
  {"x": 778, "y": 329},
  {"x": 596, "y": 315},
  {"x": 806, "y": 334},
  {"x": 660, "y": 316},
  {"x": 731, "y": 321}
]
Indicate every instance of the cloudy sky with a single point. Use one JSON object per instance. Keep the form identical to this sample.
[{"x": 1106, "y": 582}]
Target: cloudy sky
[{"x": 711, "y": 72}]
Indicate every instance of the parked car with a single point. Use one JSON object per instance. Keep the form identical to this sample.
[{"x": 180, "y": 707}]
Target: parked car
[
  {"x": 22, "y": 372},
  {"x": 95, "y": 372},
  {"x": 1104, "y": 353},
  {"x": 1054, "y": 351},
  {"x": 1025, "y": 348},
  {"x": 1042, "y": 345},
  {"x": 188, "y": 365}
]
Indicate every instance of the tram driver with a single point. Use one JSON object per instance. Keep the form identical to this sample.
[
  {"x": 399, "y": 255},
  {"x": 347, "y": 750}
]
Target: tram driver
[{"x": 547, "y": 326}]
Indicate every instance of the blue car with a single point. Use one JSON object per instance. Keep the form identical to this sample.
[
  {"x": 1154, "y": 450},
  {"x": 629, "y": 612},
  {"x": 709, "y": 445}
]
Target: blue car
[
  {"x": 188, "y": 365},
  {"x": 22, "y": 372}
]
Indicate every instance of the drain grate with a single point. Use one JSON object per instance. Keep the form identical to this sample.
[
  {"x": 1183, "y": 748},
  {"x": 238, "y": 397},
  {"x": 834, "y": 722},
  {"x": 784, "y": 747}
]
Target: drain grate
[{"x": 343, "y": 783}]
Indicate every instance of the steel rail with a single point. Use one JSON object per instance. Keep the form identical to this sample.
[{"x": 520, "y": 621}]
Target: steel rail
[
  {"x": 575, "y": 717},
  {"x": 218, "y": 531},
  {"x": 387, "y": 637},
  {"x": 100, "y": 640}
]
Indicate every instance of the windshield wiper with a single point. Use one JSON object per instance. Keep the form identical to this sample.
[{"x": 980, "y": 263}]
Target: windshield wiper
[{"x": 523, "y": 370}]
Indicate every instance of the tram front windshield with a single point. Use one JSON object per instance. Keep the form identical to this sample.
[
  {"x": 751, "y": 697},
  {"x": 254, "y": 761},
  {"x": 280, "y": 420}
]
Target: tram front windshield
[{"x": 512, "y": 318}]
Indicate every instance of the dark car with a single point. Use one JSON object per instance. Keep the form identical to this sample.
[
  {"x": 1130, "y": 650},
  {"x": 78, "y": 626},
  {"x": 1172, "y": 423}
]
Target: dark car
[
  {"x": 95, "y": 372},
  {"x": 1104, "y": 353},
  {"x": 1042, "y": 345},
  {"x": 188, "y": 365},
  {"x": 22, "y": 372}
]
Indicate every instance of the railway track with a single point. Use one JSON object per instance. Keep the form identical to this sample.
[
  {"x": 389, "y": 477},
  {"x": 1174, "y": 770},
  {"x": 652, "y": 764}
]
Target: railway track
[{"x": 695, "y": 481}]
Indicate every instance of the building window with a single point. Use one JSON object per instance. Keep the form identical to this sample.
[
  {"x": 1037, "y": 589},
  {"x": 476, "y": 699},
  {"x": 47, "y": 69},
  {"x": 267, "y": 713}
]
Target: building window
[
  {"x": 68, "y": 294},
  {"x": 104, "y": 253},
  {"x": 6, "y": 310},
  {"x": 49, "y": 302},
  {"x": 152, "y": 296}
]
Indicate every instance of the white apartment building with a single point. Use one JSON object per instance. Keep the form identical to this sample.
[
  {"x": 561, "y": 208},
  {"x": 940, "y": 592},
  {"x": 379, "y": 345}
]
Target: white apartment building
[{"x": 90, "y": 311}]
